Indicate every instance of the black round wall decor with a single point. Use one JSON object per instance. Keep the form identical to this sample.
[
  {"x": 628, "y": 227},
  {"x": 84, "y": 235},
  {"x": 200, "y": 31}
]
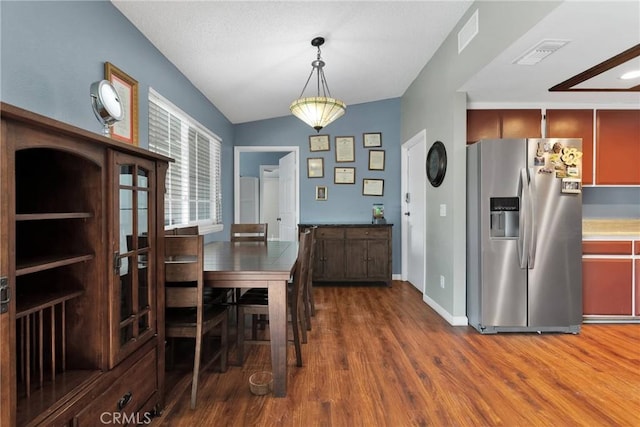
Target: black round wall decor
[{"x": 436, "y": 163}]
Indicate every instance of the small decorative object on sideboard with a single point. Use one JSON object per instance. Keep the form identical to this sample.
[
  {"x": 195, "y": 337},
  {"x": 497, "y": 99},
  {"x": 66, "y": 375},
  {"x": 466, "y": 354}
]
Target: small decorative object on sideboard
[{"x": 378, "y": 214}]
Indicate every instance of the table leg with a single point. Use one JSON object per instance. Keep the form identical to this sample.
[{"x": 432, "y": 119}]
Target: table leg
[{"x": 278, "y": 330}]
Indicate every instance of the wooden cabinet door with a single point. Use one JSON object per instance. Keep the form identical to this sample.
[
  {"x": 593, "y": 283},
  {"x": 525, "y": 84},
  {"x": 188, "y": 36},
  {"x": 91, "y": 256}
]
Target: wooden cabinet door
[
  {"x": 132, "y": 284},
  {"x": 574, "y": 124},
  {"x": 318, "y": 264},
  {"x": 333, "y": 259},
  {"x": 378, "y": 259},
  {"x": 521, "y": 123},
  {"x": 617, "y": 147},
  {"x": 7, "y": 328},
  {"x": 482, "y": 124},
  {"x": 356, "y": 255},
  {"x": 492, "y": 124},
  {"x": 606, "y": 286}
]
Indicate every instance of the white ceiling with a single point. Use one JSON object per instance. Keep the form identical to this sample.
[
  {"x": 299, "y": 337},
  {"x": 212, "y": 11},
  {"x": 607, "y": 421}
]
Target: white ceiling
[{"x": 251, "y": 59}]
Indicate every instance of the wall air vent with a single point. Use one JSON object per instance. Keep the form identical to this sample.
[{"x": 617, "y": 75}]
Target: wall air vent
[
  {"x": 468, "y": 32},
  {"x": 540, "y": 51}
]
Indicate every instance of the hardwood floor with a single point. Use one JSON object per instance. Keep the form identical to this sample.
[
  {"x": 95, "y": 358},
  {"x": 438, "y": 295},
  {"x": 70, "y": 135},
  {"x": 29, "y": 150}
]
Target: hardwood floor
[{"x": 380, "y": 356}]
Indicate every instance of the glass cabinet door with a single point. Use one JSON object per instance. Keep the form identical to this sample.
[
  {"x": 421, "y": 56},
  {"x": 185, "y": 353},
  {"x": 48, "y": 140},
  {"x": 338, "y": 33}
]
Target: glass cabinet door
[{"x": 132, "y": 290}]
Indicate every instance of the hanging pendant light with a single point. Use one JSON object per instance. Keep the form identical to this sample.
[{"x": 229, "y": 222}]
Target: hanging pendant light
[{"x": 318, "y": 111}]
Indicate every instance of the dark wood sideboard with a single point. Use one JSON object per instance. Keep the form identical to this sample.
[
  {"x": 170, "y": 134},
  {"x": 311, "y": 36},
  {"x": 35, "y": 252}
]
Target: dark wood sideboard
[{"x": 352, "y": 252}]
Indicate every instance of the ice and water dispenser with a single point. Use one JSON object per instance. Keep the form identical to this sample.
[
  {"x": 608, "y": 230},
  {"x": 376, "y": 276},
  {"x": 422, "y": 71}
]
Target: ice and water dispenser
[{"x": 505, "y": 214}]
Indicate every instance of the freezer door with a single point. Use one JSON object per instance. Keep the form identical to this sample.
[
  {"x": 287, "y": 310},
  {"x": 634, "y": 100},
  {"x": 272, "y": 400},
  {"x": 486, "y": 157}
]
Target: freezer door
[
  {"x": 555, "y": 256},
  {"x": 503, "y": 281}
]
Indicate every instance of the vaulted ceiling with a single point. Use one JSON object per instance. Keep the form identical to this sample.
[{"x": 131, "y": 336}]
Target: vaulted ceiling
[{"x": 251, "y": 59}]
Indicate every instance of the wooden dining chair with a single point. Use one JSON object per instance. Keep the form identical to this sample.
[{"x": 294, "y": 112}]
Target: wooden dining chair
[
  {"x": 257, "y": 303},
  {"x": 210, "y": 294},
  {"x": 249, "y": 232},
  {"x": 189, "y": 314},
  {"x": 309, "y": 302},
  {"x": 191, "y": 230}
]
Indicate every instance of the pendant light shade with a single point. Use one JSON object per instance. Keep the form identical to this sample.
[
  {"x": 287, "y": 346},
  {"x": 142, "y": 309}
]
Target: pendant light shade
[{"x": 318, "y": 111}]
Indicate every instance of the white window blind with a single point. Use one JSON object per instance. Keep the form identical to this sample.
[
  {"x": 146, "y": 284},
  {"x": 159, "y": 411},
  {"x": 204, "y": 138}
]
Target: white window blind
[{"x": 193, "y": 193}]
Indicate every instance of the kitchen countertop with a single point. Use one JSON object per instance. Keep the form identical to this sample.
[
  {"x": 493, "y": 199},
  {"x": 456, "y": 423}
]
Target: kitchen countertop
[{"x": 611, "y": 229}]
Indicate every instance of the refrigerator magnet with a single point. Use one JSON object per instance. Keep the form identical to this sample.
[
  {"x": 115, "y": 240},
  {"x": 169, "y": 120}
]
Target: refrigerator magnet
[{"x": 571, "y": 185}]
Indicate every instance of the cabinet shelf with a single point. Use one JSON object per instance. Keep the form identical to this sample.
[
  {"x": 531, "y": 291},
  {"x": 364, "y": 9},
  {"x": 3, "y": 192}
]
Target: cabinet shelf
[
  {"x": 31, "y": 303},
  {"x": 53, "y": 215},
  {"x": 33, "y": 265},
  {"x": 32, "y": 410}
]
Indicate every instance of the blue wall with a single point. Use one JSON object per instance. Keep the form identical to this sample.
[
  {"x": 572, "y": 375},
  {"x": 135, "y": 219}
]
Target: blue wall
[
  {"x": 345, "y": 202},
  {"x": 250, "y": 162},
  {"x": 51, "y": 52}
]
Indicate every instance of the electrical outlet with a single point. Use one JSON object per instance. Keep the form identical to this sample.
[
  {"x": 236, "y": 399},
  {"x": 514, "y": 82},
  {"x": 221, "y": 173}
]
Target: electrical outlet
[{"x": 442, "y": 281}]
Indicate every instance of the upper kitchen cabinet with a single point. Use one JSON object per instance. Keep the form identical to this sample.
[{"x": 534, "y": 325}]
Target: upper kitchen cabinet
[
  {"x": 574, "y": 124},
  {"x": 617, "y": 147},
  {"x": 491, "y": 124}
]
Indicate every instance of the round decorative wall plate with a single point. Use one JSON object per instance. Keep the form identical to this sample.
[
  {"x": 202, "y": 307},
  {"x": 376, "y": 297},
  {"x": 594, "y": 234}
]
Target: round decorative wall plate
[{"x": 436, "y": 164}]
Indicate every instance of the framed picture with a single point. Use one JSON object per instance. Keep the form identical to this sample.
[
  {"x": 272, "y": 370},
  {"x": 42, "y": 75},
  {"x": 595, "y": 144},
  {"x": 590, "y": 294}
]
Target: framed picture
[
  {"x": 376, "y": 160},
  {"x": 315, "y": 167},
  {"x": 372, "y": 139},
  {"x": 319, "y": 143},
  {"x": 321, "y": 192},
  {"x": 125, "y": 130},
  {"x": 344, "y": 175},
  {"x": 345, "y": 150},
  {"x": 372, "y": 187}
]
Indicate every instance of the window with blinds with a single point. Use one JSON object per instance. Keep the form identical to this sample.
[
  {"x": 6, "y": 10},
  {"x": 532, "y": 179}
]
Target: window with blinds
[{"x": 193, "y": 193}]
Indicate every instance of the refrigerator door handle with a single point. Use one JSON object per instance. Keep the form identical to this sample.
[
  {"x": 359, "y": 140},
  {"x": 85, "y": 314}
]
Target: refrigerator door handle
[
  {"x": 523, "y": 190},
  {"x": 532, "y": 221}
]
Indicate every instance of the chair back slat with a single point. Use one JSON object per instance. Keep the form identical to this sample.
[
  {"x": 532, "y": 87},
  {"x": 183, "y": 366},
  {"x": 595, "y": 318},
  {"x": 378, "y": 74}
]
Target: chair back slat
[
  {"x": 184, "y": 270},
  {"x": 249, "y": 232},
  {"x": 181, "y": 297}
]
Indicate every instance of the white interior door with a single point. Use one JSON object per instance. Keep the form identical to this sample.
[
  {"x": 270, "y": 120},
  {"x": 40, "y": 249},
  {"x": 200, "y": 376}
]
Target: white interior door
[
  {"x": 270, "y": 199},
  {"x": 292, "y": 185},
  {"x": 414, "y": 210},
  {"x": 288, "y": 198},
  {"x": 249, "y": 197}
]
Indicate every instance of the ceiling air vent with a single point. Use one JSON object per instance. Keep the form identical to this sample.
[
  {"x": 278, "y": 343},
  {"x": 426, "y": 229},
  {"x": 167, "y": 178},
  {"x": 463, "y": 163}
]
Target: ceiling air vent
[{"x": 540, "y": 51}]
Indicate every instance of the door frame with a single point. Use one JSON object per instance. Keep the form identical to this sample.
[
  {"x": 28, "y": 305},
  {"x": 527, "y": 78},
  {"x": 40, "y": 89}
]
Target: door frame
[
  {"x": 419, "y": 138},
  {"x": 238, "y": 149}
]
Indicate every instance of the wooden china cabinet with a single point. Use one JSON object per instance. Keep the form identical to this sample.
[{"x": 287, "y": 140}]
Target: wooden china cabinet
[{"x": 81, "y": 235}]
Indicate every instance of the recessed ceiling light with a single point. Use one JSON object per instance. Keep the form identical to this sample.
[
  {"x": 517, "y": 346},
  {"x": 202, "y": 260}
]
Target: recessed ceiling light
[{"x": 630, "y": 75}]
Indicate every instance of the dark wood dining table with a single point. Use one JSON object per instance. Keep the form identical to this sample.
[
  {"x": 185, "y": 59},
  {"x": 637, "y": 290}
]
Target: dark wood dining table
[{"x": 258, "y": 265}]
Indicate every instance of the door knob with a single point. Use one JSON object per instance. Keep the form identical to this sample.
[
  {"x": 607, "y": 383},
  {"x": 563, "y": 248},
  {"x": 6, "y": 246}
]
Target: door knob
[{"x": 407, "y": 213}]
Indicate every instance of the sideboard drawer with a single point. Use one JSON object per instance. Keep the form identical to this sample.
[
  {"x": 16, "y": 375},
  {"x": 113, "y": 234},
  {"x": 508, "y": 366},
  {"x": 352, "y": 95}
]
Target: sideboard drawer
[
  {"x": 122, "y": 400},
  {"x": 329, "y": 233},
  {"x": 368, "y": 233}
]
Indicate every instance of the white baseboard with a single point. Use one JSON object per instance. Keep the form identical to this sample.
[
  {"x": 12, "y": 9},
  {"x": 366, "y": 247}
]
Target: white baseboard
[{"x": 453, "y": 320}]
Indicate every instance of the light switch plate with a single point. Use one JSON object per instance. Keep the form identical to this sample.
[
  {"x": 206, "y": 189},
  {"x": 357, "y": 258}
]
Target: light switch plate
[{"x": 443, "y": 210}]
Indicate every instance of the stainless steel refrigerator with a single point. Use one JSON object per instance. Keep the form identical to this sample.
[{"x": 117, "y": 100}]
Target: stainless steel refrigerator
[{"x": 524, "y": 235}]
